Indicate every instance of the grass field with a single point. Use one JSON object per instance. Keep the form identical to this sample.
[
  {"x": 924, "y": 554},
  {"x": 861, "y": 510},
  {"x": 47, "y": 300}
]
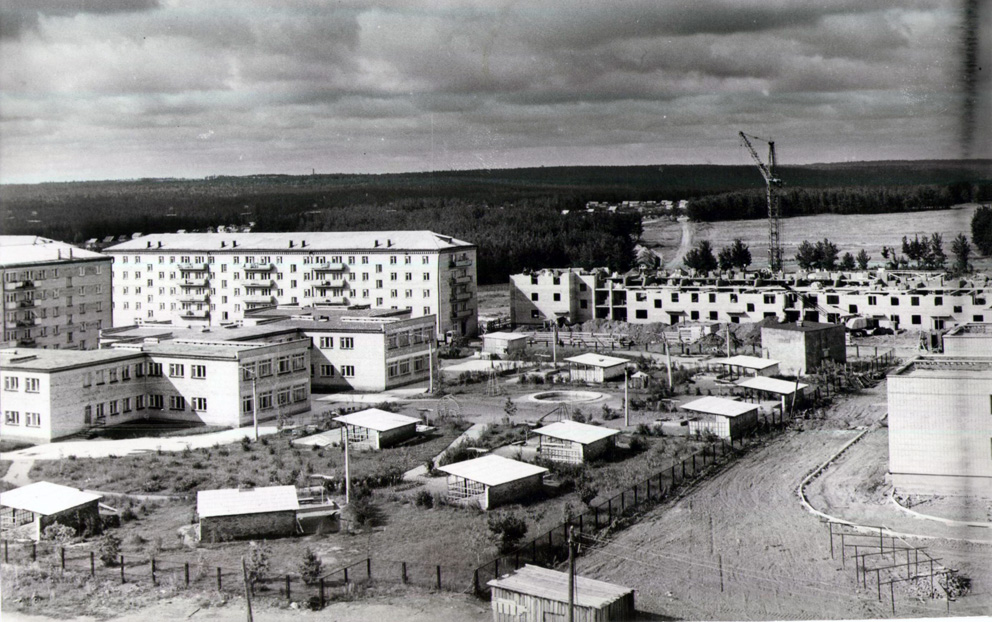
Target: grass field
[{"x": 849, "y": 233}]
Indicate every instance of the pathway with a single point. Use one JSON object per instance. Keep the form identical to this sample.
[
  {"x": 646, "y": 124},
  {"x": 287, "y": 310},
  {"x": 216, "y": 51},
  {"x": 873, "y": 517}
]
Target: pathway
[
  {"x": 17, "y": 474},
  {"x": 684, "y": 245},
  {"x": 473, "y": 433}
]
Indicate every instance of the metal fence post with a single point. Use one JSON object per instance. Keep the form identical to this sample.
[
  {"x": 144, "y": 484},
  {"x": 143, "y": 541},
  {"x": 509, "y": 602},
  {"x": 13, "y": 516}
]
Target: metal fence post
[
  {"x": 346, "y": 574},
  {"x": 475, "y": 581},
  {"x": 122, "y": 569},
  {"x": 368, "y": 567},
  {"x": 288, "y": 587},
  {"x": 186, "y": 572},
  {"x": 219, "y": 584},
  {"x": 403, "y": 572},
  {"x": 153, "y": 572},
  {"x": 34, "y": 551},
  {"x": 92, "y": 564},
  {"x": 439, "y": 577},
  {"x": 62, "y": 557},
  {"x": 322, "y": 592}
]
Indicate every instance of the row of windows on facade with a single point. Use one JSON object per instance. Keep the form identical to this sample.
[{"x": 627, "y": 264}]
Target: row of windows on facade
[
  {"x": 268, "y": 291},
  {"x": 642, "y": 314},
  {"x": 12, "y": 276},
  {"x": 56, "y": 330},
  {"x": 278, "y": 276},
  {"x": 405, "y": 367},
  {"x": 56, "y": 293},
  {"x": 263, "y": 369},
  {"x": 186, "y": 306},
  {"x": 13, "y": 417},
  {"x": 42, "y": 313},
  {"x": 268, "y": 259}
]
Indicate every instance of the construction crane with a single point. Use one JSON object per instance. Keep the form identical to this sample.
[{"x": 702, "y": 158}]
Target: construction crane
[{"x": 773, "y": 183}]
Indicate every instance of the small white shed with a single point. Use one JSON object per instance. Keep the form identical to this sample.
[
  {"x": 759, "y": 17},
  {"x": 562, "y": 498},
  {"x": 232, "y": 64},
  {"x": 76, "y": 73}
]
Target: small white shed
[
  {"x": 784, "y": 389},
  {"x": 492, "y": 480},
  {"x": 535, "y": 594},
  {"x": 744, "y": 365},
  {"x": 378, "y": 429},
  {"x": 504, "y": 344},
  {"x": 235, "y": 513},
  {"x": 596, "y": 368},
  {"x": 574, "y": 442},
  {"x": 45, "y": 503},
  {"x": 727, "y": 419}
]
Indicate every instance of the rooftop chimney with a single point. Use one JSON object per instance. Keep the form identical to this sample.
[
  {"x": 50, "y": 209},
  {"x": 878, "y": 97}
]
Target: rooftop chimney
[
  {"x": 234, "y": 243},
  {"x": 223, "y": 244},
  {"x": 149, "y": 244},
  {"x": 303, "y": 243},
  {"x": 291, "y": 244},
  {"x": 160, "y": 244}
]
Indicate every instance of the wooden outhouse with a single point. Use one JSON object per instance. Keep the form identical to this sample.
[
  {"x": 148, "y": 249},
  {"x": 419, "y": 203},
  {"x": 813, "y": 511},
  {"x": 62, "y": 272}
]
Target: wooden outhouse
[
  {"x": 378, "y": 429},
  {"x": 727, "y": 419},
  {"x": 28, "y": 510},
  {"x": 491, "y": 480},
  {"x": 535, "y": 594},
  {"x": 573, "y": 442}
]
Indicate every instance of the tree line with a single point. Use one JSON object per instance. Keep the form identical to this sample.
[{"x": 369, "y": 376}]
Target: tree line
[{"x": 752, "y": 204}]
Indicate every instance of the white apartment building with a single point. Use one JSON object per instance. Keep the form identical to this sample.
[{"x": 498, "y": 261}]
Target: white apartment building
[
  {"x": 940, "y": 426},
  {"x": 215, "y": 278},
  {"x": 907, "y": 300},
  {"x": 54, "y": 294},
  {"x": 50, "y": 394},
  {"x": 350, "y": 349}
]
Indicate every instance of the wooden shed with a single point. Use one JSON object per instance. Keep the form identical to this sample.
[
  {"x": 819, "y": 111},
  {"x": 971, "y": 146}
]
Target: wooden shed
[
  {"x": 491, "y": 480},
  {"x": 727, "y": 419},
  {"x": 596, "y": 368},
  {"x": 574, "y": 442},
  {"x": 744, "y": 365},
  {"x": 236, "y": 513},
  {"x": 504, "y": 344},
  {"x": 28, "y": 510},
  {"x": 783, "y": 389},
  {"x": 378, "y": 429},
  {"x": 535, "y": 594}
]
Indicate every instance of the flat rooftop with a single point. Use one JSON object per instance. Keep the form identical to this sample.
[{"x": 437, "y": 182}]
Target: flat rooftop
[
  {"x": 802, "y": 327},
  {"x": 747, "y": 362},
  {"x": 375, "y": 419},
  {"x": 719, "y": 406},
  {"x": 591, "y": 359},
  {"x": 581, "y": 433},
  {"x": 977, "y": 329},
  {"x": 236, "y": 501},
  {"x": 46, "y": 498},
  {"x": 38, "y": 359},
  {"x": 505, "y": 336},
  {"x": 771, "y": 385},
  {"x": 492, "y": 470},
  {"x": 303, "y": 242},
  {"x": 937, "y": 366},
  {"x": 553, "y": 585},
  {"x": 24, "y": 250}
]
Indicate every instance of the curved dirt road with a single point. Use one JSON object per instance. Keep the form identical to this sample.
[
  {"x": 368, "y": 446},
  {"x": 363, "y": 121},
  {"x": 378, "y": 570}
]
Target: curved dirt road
[{"x": 684, "y": 245}]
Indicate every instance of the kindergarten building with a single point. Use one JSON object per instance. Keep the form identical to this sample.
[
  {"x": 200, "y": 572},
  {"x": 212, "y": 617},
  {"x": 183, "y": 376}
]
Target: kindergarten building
[{"x": 908, "y": 300}]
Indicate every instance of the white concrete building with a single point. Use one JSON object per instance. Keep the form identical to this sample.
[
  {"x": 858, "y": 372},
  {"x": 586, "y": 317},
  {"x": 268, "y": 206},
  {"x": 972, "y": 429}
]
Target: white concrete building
[
  {"x": 940, "y": 426},
  {"x": 50, "y": 394},
  {"x": 54, "y": 294},
  {"x": 910, "y": 300},
  {"x": 214, "y": 278},
  {"x": 350, "y": 349},
  {"x": 504, "y": 344},
  {"x": 969, "y": 340}
]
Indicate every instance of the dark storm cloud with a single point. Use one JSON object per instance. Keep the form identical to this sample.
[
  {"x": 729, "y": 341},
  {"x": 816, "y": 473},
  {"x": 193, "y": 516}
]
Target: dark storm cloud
[
  {"x": 16, "y": 16},
  {"x": 201, "y": 87}
]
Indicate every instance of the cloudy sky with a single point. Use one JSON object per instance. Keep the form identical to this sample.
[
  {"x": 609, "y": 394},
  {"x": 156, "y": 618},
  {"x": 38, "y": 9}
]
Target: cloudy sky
[{"x": 107, "y": 89}]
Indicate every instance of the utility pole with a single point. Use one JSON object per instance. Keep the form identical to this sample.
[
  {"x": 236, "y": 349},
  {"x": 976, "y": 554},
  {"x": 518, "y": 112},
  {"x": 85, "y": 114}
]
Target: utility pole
[
  {"x": 244, "y": 572},
  {"x": 254, "y": 398},
  {"x": 571, "y": 573},
  {"x": 554, "y": 344},
  {"x": 626, "y": 401},
  {"x": 772, "y": 184},
  {"x": 347, "y": 467},
  {"x": 668, "y": 357},
  {"x": 430, "y": 364}
]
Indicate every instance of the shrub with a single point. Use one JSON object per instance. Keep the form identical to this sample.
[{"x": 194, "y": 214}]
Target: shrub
[
  {"x": 644, "y": 429},
  {"x": 363, "y": 510},
  {"x": 637, "y": 444},
  {"x": 110, "y": 549},
  {"x": 245, "y": 443},
  {"x": 256, "y": 562},
  {"x": 424, "y": 499},
  {"x": 507, "y": 530},
  {"x": 310, "y": 566},
  {"x": 59, "y": 534}
]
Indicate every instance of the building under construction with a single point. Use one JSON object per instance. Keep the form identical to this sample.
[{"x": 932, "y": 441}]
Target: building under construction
[{"x": 898, "y": 299}]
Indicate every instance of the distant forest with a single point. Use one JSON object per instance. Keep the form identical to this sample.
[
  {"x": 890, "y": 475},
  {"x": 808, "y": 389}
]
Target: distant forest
[{"x": 514, "y": 216}]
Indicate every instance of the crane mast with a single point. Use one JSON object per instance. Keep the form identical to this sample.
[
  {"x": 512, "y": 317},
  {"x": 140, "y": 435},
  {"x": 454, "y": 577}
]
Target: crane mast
[{"x": 772, "y": 184}]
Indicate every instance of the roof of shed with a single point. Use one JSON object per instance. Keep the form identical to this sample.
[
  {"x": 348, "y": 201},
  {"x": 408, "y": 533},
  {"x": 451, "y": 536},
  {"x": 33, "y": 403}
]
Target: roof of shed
[
  {"x": 375, "y": 419},
  {"x": 802, "y": 327},
  {"x": 596, "y": 360},
  {"x": 749, "y": 362},
  {"x": 46, "y": 498},
  {"x": 576, "y": 432},
  {"x": 235, "y": 501},
  {"x": 553, "y": 585},
  {"x": 492, "y": 470},
  {"x": 719, "y": 406},
  {"x": 506, "y": 336},
  {"x": 771, "y": 385}
]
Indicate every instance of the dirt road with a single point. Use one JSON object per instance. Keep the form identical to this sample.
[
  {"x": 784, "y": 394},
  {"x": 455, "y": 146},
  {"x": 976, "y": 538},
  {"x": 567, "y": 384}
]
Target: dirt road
[{"x": 685, "y": 243}]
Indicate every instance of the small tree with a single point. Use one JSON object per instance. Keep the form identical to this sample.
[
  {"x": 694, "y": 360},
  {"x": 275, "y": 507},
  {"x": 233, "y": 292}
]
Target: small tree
[
  {"x": 826, "y": 254},
  {"x": 701, "y": 258},
  {"x": 725, "y": 258},
  {"x": 507, "y": 530},
  {"x": 740, "y": 254},
  {"x": 981, "y": 229},
  {"x": 962, "y": 253},
  {"x": 847, "y": 262},
  {"x": 256, "y": 562},
  {"x": 362, "y": 508},
  {"x": 110, "y": 549},
  {"x": 936, "y": 258},
  {"x": 310, "y": 566},
  {"x": 806, "y": 256},
  {"x": 863, "y": 258},
  {"x": 509, "y": 407}
]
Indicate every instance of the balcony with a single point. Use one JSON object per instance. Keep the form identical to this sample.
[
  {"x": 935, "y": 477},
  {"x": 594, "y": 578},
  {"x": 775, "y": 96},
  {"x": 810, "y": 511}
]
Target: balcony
[
  {"x": 194, "y": 267},
  {"x": 461, "y": 296},
  {"x": 196, "y": 314},
  {"x": 19, "y": 286},
  {"x": 460, "y": 280},
  {"x": 27, "y": 322},
  {"x": 10, "y": 306},
  {"x": 194, "y": 298},
  {"x": 464, "y": 313},
  {"x": 195, "y": 283},
  {"x": 267, "y": 284},
  {"x": 332, "y": 285},
  {"x": 330, "y": 267},
  {"x": 27, "y": 342},
  {"x": 259, "y": 267},
  {"x": 26, "y": 304},
  {"x": 459, "y": 263}
]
